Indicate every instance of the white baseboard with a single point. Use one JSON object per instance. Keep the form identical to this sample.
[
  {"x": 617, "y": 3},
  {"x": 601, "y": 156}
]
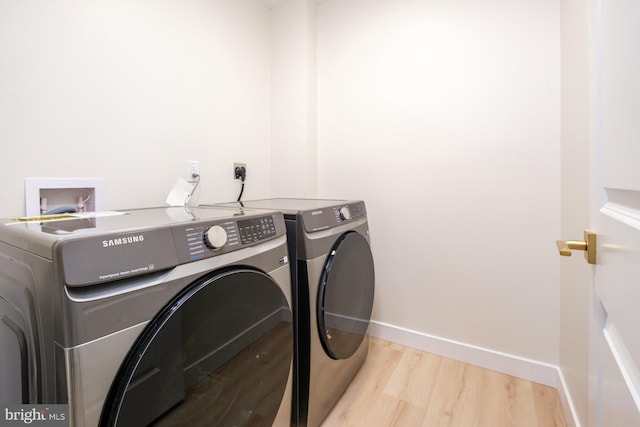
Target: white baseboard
[
  {"x": 570, "y": 414},
  {"x": 517, "y": 366},
  {"x": 509, "y": 364}
]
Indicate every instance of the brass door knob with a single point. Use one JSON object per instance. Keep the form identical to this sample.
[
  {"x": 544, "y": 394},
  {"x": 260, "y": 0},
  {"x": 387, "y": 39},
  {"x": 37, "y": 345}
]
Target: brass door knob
[{"x": 588, "y": 245}]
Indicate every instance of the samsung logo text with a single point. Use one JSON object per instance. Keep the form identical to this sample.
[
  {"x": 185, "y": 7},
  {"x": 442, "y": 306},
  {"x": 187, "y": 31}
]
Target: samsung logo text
[{"x": 123, "y": 241}]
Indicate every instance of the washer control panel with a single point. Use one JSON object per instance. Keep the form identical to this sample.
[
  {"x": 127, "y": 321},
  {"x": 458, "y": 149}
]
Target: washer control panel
[
  {"x": 215, "y": 237},
  {"x": 130, "y": 251},
  {"x": 202, "y": 240},
  {"x": 256, "y": 229},
  {"x": 344, "y": 213},
  {"x": 197, "y": 240}
]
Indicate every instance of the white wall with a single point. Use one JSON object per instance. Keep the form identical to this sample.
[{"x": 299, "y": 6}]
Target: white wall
[
  {"x": 129, "y": 90},
  {"x": 444, "y": 117},
  {"x": 293, "y": 106}
]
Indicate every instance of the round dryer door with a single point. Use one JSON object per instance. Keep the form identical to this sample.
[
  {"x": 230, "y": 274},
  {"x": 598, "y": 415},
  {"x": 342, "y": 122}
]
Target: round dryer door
[
  {"x": 345, "y": 296},
  {"x": 219, "y": 354}
]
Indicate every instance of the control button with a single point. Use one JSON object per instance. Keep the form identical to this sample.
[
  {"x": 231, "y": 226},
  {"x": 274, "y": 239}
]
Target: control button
[
  {"x": 215, "y": 237},
  {"x": 345, "y": 213}
]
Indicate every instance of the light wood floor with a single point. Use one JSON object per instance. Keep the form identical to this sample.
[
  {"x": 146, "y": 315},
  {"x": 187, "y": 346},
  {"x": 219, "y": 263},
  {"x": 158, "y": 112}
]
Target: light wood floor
[{"x": 399, "y": 386}]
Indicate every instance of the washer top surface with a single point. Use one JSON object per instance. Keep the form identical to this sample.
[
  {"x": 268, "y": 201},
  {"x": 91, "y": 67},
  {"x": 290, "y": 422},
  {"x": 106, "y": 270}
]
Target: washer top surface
[
  {"x": 40, "y": 236},
  {"x": 123, "y": 220}
]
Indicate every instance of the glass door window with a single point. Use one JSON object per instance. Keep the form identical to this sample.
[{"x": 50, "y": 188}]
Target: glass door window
[
  {"x": 218, "y": 354},
  {"x": 345, "y": 296}
]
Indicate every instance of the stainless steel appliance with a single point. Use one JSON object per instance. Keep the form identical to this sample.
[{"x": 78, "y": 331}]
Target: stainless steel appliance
[
  {"x": 167, "y": 315},
  {"x": 333, "y": 275}
]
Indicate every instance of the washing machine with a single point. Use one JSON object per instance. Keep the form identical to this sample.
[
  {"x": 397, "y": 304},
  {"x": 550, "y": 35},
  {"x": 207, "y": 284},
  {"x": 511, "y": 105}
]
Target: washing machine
[
  {"x": 163, "y": 316},
  {"x": 333, "y": 275}
]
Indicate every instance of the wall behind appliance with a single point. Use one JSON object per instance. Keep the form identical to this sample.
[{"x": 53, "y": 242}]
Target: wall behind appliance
[
  {"x": 444, "y": 117},
  {"x": 293, "y": 99},
  {"x": 130, "y": 90}
]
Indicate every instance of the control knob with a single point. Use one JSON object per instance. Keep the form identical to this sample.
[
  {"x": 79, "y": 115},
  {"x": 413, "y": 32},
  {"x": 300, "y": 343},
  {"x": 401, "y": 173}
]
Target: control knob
[
  {"x": 215, "y": 237},
  {"x": 345, "y": 213}
]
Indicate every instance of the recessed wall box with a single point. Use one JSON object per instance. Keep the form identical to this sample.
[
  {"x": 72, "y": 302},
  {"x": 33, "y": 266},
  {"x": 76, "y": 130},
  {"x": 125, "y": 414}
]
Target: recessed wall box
[{"x": 58, "y": 195}]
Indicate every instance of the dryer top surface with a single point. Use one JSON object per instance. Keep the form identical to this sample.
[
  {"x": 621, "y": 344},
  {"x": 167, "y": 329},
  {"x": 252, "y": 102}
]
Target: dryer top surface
[
  {"x": 286, "y": 205},
  {"x": 312, "y": 214}
]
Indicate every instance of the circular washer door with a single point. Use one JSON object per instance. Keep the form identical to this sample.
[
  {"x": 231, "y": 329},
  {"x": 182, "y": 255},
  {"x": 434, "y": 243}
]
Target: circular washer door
[
  {"x": 345, "y": 296},
  {"x": 218, "y": 354}
]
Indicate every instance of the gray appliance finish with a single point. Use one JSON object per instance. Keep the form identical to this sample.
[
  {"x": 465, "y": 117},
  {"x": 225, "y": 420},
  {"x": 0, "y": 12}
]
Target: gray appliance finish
[
  {"x": 167, "y": 315},
  {"x": 333, "y": 276}
]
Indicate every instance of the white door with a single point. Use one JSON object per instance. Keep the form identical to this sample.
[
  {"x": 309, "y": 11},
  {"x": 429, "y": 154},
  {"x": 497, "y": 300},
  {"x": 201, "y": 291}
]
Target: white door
[{"x": 615, "y": 211}]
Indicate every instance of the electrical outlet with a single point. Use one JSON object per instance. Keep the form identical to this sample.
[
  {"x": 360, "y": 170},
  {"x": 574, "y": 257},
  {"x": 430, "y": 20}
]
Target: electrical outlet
[
  {"x": 193, "y": 169},
  {"x": 237, "y": 173}
]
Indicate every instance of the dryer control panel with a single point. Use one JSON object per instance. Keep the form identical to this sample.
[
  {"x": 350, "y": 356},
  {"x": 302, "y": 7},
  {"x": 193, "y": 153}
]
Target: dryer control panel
[{"x": 322, "y": 219}]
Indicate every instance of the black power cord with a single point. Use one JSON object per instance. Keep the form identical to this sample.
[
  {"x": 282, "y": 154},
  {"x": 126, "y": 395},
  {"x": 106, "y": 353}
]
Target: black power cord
[{"x": 241, "y": 173}]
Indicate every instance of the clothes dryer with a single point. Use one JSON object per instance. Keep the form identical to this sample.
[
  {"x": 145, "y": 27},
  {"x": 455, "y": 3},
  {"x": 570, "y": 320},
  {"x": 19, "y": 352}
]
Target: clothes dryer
[
  {"x": 170, "y": 316},
  {"x": 333, "y": 274}
]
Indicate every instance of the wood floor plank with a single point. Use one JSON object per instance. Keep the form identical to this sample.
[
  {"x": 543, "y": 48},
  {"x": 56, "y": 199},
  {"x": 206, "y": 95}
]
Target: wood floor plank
[
  {"x": 367, "y": 386},
  {"x": 399, "y": 386},
  {"x": 548, "y": 406},
  {"x": 412, "y": 380},
  {"x": 472, "y": 394},
  {"x": 508, "y": 401},
  {"x": 447, "y": 401},
  {"x": 390, "y": 411}
]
